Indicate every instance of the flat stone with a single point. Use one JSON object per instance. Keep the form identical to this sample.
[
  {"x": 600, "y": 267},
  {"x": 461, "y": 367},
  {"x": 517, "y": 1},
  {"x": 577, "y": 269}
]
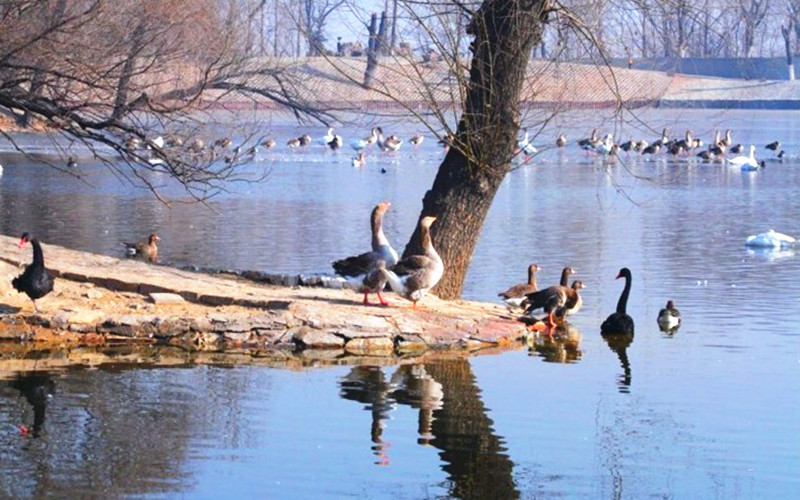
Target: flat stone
[
  {"x": 318, "y": 339},
  {"x": 376, "y": 346},
  {"x": 85, "y": 318},
  {"x": 163, "y": 298},
  {"x": 93, "y": 294}
]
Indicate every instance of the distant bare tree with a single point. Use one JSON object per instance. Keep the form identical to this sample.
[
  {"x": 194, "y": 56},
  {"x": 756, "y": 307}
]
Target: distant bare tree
[
  {"x": 315, "y": 17},
  {"x": 114, "y": 76},
  {"x": 752, "y": 14}
]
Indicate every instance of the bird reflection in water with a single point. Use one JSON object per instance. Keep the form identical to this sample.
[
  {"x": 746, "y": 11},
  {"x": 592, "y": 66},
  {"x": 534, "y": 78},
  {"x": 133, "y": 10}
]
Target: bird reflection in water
[
  {"x": 38, "y": 389},
  {"x": 368, "y": 385},
  {"x": 559, "y": 344},
  {"x": 619, "y": 342},
  {"x": 409, "y": 384},
  {"x": 417, "y": 389}
]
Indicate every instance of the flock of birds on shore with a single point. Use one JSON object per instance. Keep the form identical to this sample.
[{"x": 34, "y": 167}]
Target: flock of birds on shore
[{"x": 412, "y": 277}]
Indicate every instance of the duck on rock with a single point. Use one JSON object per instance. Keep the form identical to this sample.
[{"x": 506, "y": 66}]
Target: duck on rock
[
  {"x": 35, "y": 281},
  {"x": 514, "y": 296},
  {"x": 413, "y": 276},
  {"x": 619, "y": 322},
  {"x": 365, "y": 271}
]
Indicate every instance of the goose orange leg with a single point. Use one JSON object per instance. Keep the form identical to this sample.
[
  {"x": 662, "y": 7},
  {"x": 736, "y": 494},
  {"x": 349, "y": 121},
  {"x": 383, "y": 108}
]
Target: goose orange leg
[{"x": 383, "y": 301}]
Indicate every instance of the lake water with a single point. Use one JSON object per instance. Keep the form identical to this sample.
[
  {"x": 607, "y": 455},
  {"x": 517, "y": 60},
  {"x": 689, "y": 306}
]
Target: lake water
[{"x": 711, "y": 411}]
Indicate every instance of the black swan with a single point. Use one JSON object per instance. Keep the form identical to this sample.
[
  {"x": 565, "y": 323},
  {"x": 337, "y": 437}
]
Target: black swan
[
  {"x": 35, "y": 281},
  {"x": 619, "y": 322}
]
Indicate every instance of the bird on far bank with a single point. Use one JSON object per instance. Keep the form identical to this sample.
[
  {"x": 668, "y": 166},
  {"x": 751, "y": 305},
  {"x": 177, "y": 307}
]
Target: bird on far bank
[
  {"x": 416, "y": 140},
  {"x": 561, "y": 140}
]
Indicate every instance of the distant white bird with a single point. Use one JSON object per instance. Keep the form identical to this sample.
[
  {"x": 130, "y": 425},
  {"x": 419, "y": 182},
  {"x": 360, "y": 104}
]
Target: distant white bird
[
  {"x": 526, "y": 147},
  {"x": 745, "y": 161},
  {"x": 327, "y": 138},
  {"x": 770, "y": 239},
  {"x": 605, "y": 147}
]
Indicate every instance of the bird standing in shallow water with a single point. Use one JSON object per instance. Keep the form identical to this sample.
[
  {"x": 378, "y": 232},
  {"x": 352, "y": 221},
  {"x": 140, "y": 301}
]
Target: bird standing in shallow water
[
  {"x": 147, "y": 250},
  {"x": 35, "y": 281}
]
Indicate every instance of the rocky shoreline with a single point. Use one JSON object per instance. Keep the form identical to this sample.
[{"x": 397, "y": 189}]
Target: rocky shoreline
[{"x": 99, "y": 299}]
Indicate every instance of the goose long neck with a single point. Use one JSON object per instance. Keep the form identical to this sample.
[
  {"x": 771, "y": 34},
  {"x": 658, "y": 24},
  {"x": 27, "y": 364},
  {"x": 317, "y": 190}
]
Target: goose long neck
[
  {"x": 378, "y": 238},
  {"x": 623, "y": 298},
  {"x": 38, "y": 256},
  {"x": 427, "y": 243},
  {"x": 532, "y": 277}
]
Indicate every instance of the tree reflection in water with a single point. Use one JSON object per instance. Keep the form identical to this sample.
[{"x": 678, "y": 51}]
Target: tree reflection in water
[{"x": 452, "y": 418}]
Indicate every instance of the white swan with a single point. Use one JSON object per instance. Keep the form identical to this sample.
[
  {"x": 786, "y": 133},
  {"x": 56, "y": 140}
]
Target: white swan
[
  {"x": 606, "y": 145},
  {"x": 746, "y": 162},
  {"x": 770, "y": 239},
  {"x": 526, "y": 147},
  {"x": 327, "y": 138}
]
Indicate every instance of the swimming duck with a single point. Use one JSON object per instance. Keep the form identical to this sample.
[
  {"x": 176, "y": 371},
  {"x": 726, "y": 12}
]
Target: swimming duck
[
  {"x": 561, "y": 140},
  {"x": 774, "y": 146},
  {"x": 589, "y": 142},
  {"x": 294, "y": 142},
  {"x": 35, "y": 281},
  {"x": 391, "y": 143},
  {"x": 366, "y": 270},
  {"x": 415, "y": 275},
  {"x": 304, "y": 140},
  {"x": 416, "y": 140},
  {"x": 143, "y": 250},
  {"x": 360, "y": 159},
  {"x": 516, "y": 294},
  {"x": 619, "y": 322},
  {"x": 669, "y": 318},
  {"x": 269, "y": 143},
  {"x": 335, "y": 143},
  {"x": 223, "y": 143}
]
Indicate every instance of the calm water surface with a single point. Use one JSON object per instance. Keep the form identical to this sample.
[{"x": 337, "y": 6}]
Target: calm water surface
[{"x": 709, "y": 412}]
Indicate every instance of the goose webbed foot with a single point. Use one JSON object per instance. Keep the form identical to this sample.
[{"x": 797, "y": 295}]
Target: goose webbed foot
[{"x": 383, "y": 301}]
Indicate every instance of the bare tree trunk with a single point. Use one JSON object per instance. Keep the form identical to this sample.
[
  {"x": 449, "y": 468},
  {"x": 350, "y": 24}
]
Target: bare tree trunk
[
  {"x": 393, "y": 41},
  {"x": 505, "y": 32},
  {"x": 128, "y": 69},
  {"x": 786, "y": 32},
  {"x": 373, "y": 48}
]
